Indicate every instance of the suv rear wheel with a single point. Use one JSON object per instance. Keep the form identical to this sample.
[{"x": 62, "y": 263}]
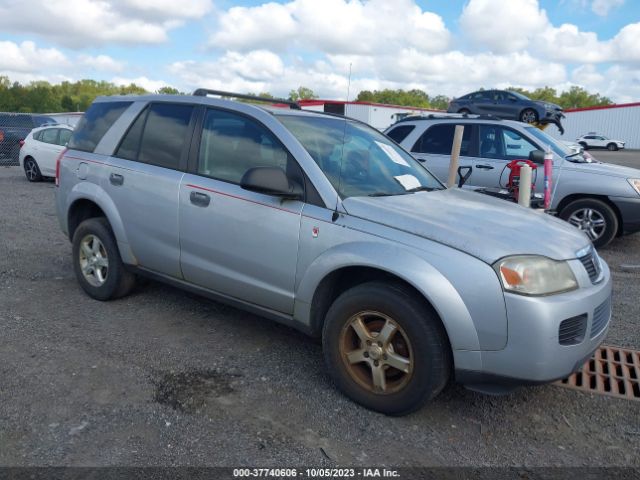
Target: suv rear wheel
[
  {"x": 385, "y": 349},
  {"x": 97, "y": 262},
  {"x": 593, "y": 217}
]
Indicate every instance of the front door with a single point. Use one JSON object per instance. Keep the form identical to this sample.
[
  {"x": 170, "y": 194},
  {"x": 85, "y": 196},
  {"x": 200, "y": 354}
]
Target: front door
[{"x": 237, "y": 242}]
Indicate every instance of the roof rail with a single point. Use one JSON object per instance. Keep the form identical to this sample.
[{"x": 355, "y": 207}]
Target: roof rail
[
  {"x": 203, "y": 92},
  {"x": 432, "y": 116}
]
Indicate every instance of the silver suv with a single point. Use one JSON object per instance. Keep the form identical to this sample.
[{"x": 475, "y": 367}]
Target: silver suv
[
  {"x": 324, "y": 224},
  {"x": 601, "y": 199}
]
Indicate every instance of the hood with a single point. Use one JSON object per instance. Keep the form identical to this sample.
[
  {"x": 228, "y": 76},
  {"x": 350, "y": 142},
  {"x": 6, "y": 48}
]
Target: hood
[
  {"x": 600, "y": 168},
  {"x": 548, "y": 105},
  {"x": 486, "y": 227}
]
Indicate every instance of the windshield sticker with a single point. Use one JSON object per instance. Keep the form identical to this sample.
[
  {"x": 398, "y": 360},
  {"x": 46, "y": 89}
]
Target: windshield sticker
[
  {"x": 392, "y": 154},
  {"x": 409, "y": 182}
]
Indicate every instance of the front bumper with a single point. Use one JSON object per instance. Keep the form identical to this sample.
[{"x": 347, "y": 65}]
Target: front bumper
[
  {"x": 533, "y": 353},
  {"x": 629, "y": 209}
]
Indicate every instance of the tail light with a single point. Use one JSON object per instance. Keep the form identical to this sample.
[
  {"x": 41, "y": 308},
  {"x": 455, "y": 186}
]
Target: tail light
[
  {"x": 21, "y": 142},
  {"x": 58, "y": 161}
]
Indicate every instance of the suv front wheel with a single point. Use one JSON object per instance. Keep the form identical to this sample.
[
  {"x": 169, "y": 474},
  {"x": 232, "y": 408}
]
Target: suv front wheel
[
  {"x": 593, "y": 217},
  {"x": 385, "y": 349},
  {"x": 97, "y": 263}
]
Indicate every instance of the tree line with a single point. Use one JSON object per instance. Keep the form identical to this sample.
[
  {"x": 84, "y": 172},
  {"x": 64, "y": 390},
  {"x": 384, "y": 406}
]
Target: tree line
[{"x": 44, "y": 97}]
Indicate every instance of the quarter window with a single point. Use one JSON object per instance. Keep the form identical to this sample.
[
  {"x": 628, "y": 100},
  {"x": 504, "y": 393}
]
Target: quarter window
[
  {"x": 65, "y": 135},
  {"x": 94, "y": 124},
  {"x": 231, "y": 144},
  {"x": 438, "y": 139}
]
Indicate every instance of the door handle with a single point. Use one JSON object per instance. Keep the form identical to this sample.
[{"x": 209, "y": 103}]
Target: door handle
[
  {"x": 485, "y": 167},
  {"x": 200, "y": 199},
  {"x": 116, "y": 179}
]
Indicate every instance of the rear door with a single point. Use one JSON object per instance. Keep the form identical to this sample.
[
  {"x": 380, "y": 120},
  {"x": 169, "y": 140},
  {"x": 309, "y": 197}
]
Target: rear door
[
  {"x": 433, "y": 148},
  {"x": 47, "y": 149},
  {"x": 143, "y": 179},
  {"x": 236, "y": 242},
  {"x": 498, "y": 146}
]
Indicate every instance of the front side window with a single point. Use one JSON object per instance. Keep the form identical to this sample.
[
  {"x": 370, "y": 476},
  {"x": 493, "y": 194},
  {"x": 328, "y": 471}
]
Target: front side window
[
  {"x": 438, "y": 139},
  {"x": 232, "y": 144},
  {"x": 357, "y": 159},
  {"x": 94, "y": 124},
  {"x": 516, "y": 146}
]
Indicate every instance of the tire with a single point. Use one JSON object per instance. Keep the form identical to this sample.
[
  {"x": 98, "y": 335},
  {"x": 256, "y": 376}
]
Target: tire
[
  {"x": 105, "y": 282},
  {"x": 584, "y": 145},
  {"x": 585, "y": 212},
  {"x": 464, "y": 111},
  {"x": 529, "y": 115},
  {"x": 612, "y": 147},
  {"x": 32, "y": 170},
  {"x": 419, "y": 341}
]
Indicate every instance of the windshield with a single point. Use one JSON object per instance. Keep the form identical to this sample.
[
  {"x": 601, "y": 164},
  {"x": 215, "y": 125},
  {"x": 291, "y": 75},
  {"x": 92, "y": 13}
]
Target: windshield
[
  {"x": 559, "y": 148},
  {"x": 367, "y": 164}
]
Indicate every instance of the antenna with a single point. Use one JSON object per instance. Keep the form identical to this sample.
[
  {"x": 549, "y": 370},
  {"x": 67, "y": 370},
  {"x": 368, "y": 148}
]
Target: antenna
[{"x": 335, "y": 215}]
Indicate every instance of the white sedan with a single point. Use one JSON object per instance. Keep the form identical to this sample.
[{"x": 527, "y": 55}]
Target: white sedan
[
  {"x": 40, "y": 150},
  {"x": 593, "y": 140}
]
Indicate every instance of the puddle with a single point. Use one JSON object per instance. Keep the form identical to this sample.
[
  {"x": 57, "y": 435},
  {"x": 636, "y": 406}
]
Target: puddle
[{"x": 192, "y": 390}]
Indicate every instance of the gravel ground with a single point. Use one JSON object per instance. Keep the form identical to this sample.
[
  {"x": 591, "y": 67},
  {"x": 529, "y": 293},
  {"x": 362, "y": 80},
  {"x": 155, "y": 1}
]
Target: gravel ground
[{"x": 167, "y": 378}]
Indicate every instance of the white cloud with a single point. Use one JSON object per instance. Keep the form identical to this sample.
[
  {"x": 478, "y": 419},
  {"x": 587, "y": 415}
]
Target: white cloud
[
  {"x": 78, "y": 23},
  {"x": 332, "y": 26},
  {"x": 26, "y": 57},
  {"x": 144, "y": 82},
  {"x": 103, "y": 63},
  {"x": 602, "y": 7},
  {"x": 503, "y": 25}
]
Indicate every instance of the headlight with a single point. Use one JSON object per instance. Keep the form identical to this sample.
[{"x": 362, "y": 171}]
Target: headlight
[
  {"x": 635, "y": 183},
  {"x": 534, "y": 275}
]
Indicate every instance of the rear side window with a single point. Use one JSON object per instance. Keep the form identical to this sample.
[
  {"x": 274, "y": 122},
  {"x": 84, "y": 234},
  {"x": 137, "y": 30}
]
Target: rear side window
[
  {"x": 94, "y": 124},
  {"x": 65, "y": 135},
  {"x": 158, "y": 136},
  {"x": 232, "y": 144},
  {"x": 438, "y": 139},
  {"x": 50, "y": 135},
  {"x": 399, "y": 133}
]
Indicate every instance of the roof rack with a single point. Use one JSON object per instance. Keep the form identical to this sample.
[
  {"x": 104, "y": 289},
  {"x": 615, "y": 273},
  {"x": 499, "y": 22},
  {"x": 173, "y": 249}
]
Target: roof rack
[
  {"x": 203, "y": 92},
  {"x": 432, "y": 116}
]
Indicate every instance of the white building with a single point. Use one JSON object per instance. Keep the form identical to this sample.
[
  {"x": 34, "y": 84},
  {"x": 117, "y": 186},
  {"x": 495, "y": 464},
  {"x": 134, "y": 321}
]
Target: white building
[
  {"x": 377, "y": 115},
  {"x": 619, "y": 122}
]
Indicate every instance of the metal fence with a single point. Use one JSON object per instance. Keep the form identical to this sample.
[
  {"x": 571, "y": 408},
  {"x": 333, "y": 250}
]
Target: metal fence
[{"x": 14, "y": 127}]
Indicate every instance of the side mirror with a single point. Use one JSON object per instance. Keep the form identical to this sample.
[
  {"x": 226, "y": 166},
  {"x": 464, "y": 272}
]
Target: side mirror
[
  {"x": 271, "y": 181},
  {"x": 537, "y": 156}
]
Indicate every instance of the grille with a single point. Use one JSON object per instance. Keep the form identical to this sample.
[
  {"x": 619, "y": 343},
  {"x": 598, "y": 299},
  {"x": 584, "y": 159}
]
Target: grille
[
  {"x": 572, "y": 330},
  {"x": 611, "y": 371},
  {"x": 601, "y": 316},
  {"x": 591, "y": 265}
]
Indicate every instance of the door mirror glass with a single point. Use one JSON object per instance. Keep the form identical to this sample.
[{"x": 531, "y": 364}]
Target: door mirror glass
[
  {"x": 536, "y": 156},
  {"x": 271, "y": 181}
]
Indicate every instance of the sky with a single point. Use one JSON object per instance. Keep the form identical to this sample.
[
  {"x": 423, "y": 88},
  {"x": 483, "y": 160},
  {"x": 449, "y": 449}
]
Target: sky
[{"x": 448, "y": 47}]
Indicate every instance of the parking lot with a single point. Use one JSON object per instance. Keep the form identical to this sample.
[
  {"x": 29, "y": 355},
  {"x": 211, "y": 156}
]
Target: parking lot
[{"x": 163, "y": 377}]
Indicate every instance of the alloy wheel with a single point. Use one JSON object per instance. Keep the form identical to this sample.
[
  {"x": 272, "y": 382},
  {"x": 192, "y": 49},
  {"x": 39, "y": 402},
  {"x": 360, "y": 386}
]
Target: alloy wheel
[
  {"x": 94, "y": 262},
  {"x": 528, "y": 116},
  {"x": 377, "y": 352},
  {"x": 31, "y": 170},
  {"x": 590, "y": 221}
]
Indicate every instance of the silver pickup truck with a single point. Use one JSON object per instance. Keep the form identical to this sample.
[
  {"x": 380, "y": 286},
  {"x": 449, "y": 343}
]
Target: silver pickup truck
[{"x": 324, "y": 224}]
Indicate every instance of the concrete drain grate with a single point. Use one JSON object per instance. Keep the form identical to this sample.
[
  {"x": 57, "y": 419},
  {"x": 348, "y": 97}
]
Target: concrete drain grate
[{"x": 611, "y": 371}]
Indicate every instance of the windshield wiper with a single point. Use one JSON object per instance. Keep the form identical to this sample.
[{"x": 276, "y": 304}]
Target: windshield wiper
[
  {"x": 422, "y": 188},
  {"x": 385, "y": 194}
]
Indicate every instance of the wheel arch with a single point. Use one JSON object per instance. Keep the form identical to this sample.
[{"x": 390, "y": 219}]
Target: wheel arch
[
  {"x": 88, "y": 200},
  {"x": 353, "y": 265},
  {"x": 586, "y": 196}
]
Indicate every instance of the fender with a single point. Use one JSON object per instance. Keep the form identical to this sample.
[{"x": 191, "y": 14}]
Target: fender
[
  {"x": 96, "y": 194},
  {"x": 403, "y": 263}
]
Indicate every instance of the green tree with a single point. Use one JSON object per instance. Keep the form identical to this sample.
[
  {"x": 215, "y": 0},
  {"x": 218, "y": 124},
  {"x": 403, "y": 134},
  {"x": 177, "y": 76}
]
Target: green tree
[
  {"x": 166, "y": 90},
  {"x": 302, "y": 93}
]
